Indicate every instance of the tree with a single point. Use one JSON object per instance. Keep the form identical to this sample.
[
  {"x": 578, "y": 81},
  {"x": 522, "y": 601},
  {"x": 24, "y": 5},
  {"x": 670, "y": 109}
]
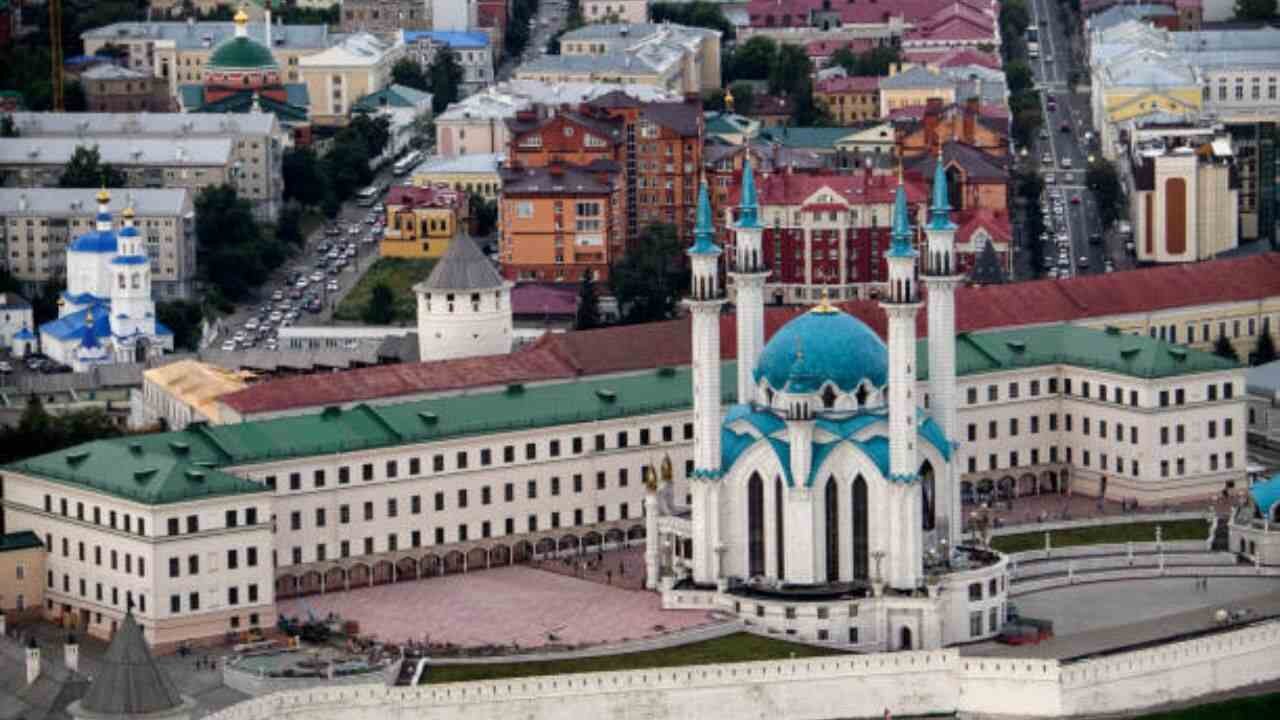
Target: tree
[
  {"x": 484, "y": 215},
  {"x": 289, "y": 226},
  {"x": 744, "y": 97},
  {"x": 346, "y": 165},
  {"x": 754, "y": 58},
  {"x": 876, "y": 61},
  {"x": 38, "y": 432},
  {"x": 409, "y": 73},
  {"x": 445, "y": 78},
  {"x": 7, "y": 127},
  {"x": 588, "y": 304},
  {"x": 376, "y": 132},
  {"x": 185, "y": 318},
  {"x": 1018, "y": 76},
  {"x": 85, "y": 169},
  {"x": 1223, "y": 348},
  {"x": 381, "y": 309},
  {"x": 1103, "y": 179},
  {"x": 1255, "y": 9},
  {"x": 648, "y": 280},
  {"x": 235, "y": 256},
  {"x": 694, "y": 14},
  {"x": 1265, "y": 351},
  {"x": 790, "y": 70},
  {"x": 44, "y": 306},
  {"x": 303, "y": 179}
]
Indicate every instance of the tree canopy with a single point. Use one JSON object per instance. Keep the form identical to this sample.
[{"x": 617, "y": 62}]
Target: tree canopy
[
  {"x": 381, "y": 309},
  {"x": 184, "y": 318},
  {"x": 649, "y": 279},
  {"x": 1255, "y": 9},
  {"x": 694, "y": 14},
  {"x": 1265, "y": 351},
  {"x": 753, "y": 59},
  {"x": 409, "y": 73},
  {"x": 235, "y": 256},
  {"x": 1222, "y": 347},
  {"x": 85, "y": 169},
  {"x": 445, "y": 78},
  {"x": 38, "y": 432},
  {"x": 876, "y": 61},
  {"x": 1103, "y": 179},
  {"x": 588, "y": 304}
]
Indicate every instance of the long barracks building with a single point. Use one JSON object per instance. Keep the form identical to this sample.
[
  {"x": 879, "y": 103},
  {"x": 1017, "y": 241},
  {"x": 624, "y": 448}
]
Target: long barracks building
[{"x": 402, "y": 472}]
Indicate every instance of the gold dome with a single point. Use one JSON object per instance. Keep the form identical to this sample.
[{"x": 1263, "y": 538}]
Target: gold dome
[
  {"x": 241, "y": 16},
  {"x": 128, "y": 213},
  {"x": 104, "y": 196}
]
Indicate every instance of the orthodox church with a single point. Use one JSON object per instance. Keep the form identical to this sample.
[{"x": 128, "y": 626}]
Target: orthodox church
[
  {"x": 106, "y": 315},
  {"x": 826, "y": 495}
]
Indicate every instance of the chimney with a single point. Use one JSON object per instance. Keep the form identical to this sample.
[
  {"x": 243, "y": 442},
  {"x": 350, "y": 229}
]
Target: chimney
[
  {"x": 970, "y": 118},
  {"x": 71, "y": 653},
  {"x": 33, "y": 661},
  {"x": 932, "y": 111},
  {"x": 266, "y": 9}
]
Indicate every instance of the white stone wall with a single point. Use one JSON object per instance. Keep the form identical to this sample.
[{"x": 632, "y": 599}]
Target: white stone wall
[
  {"x": 464, "y": 324},
  {"x": 909, "y": 683}
]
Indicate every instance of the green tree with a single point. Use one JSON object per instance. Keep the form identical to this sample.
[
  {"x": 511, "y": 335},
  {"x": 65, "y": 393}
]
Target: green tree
[
  {"x": 694, "y": 14},
  {"x": 790, "y": 70},
  {"x": 873, "y": 62},
  {"x": 346, "y": 165},
  {"x": 588, "y": 304},
  {"x": 7, "y": 127},
  {"x": 1018, "y": 76},
  {"x": 649, "y": 279},
  {"x": 376, "y": 132},
  {"x": 409, "y": 73},
  {"x": 1104, "y": 181},
  {"x": 38, "y": 432},
  {"x": 1222, "y": 347},
  {"x": 85, "y": 169},
  {"x": 1255, "y": 9},
  {"x": 1265, "y": 351},
  {"x": 185, "y": 318},
  {"x": 303, "y": 179},
  {"x": 744, "y": 97},
  {"x": 753, "y": 59},
  {"x": 235, "y": 256},
  {"x": 381, "y": 309},
  {"x": 484, "y": 215},
  {"x": 44, "y": 306},
  {"x": 289, "y": 225},
  {"x": 445, "y": 77},
  {"x": 713, "y": 100}
]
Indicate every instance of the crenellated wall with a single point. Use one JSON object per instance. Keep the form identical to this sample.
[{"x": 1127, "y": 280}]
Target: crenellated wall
[{"x": 909, "y": 683}]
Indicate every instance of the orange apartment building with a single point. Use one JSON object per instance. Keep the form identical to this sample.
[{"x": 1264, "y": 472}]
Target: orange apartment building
[
  {"x": 560, "y": 221},
  {"x": 656, "y": 146},
  {"x": 983, "y": 127}
]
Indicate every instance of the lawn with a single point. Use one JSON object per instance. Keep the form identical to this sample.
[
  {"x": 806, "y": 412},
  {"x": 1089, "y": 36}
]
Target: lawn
[
  {"x": 740, "y": 647},
  {"x": 1136, "y": 532},
  {"x": 1258, "y": 707},
  {"x": 400, "y": 274}
]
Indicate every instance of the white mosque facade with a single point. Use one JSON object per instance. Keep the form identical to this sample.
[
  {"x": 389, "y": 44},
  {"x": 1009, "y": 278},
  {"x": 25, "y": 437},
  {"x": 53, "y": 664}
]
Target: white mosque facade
[
  {"x": 106, "y": 315},
  {"x": 824, "y": 500}
]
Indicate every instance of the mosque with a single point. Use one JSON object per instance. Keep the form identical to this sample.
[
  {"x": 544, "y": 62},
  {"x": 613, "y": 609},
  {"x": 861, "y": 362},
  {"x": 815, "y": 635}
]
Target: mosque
[
  {"x": 827, "y": 495},
  {"x": 106, "y": 315}
]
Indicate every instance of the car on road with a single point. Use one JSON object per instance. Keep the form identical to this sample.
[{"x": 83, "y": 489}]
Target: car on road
[
  {"x": 1108, "y": 266},
  {"x": 1064, "y": 127},
  {"x": 277, "y": 295},
  {"x": 229, "y": 345},
  {"x": 332, "y": 286},
  {"x": 5, "y": 367},
  {"x": 277, "y": 316},
  {"x": 1046, "y": 159},
  {"x": 354, "y": 230},
  {"x": 332, "y": 230},
  {"x": 1050, "y": 179},
  {"x": 1044, "y": 134},
  {"x": 317, "y": 276},
  {"x": 1075, "y": 199},
  {"x": 1083, "y": 261},
  {"x": 1066, "y": 162},
  {"x": 1095, "y": 238},
  {"x": 251, "y": 324}
]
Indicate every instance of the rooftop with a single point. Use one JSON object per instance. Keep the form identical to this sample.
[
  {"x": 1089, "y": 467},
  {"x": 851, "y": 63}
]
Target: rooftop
[
  {"x": 197, "y": 384},
  {"x": 82, "y": 202},
  {"x": 137, "y": 151},
  {"x": 463, "y": 268},
  {"x": 641, "y": 347},
  {"x": 24, "y": 540},
  {"x": 505, "y": 99},
  {"x": 129, "y": 683},
  {"x": 360, "y": 49},
  {"x": 455, "y": 40},
  {"x": 550, "y": 181},
  {"x": 109, "y": 71},
  {"x": 174, "y": 125},
  {"x": 207, "y": 35},
  {"x": 393, "y": 96},
  {"x": 461, "y": 164}
]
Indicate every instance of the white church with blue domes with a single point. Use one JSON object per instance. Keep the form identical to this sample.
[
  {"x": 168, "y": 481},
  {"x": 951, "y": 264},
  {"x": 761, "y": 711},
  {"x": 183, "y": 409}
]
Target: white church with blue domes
[
  {"x": 106, "y": 315},
  {"x": 824, "y": 502}
]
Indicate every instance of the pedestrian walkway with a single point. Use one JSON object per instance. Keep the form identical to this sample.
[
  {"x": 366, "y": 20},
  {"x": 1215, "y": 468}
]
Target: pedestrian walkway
[
  {"x": 1088, "y": 619},
  {"x": 619, "y": 568},
  {"x": 1031, "y": 510}
]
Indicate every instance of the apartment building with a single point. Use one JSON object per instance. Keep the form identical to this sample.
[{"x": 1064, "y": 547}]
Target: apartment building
[
  {"x": 561, "y": 221},
  {"x": 678, "y": 58},
  {"x": 337, "y": 77},
  {"x": 38, "y": 224},
  {"x": 256, "y": 143},
  {"x": 110, "y": 88},
  {"x": 179, "y": 51},
  {"x": 473, "y": 51},
  {"x": 468, "y": 174},
  {"x": 1184, "y": 198},
  {"x": 385, "y": 16},
  {"x": 850, "y": 100}
]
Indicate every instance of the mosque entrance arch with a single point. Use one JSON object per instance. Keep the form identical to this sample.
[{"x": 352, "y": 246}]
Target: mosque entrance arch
[{"x": 904, "y": 638}]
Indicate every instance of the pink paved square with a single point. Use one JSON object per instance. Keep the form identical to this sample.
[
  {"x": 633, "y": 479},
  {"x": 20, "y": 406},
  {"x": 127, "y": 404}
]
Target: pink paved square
[{"x": 499, "y": 607}]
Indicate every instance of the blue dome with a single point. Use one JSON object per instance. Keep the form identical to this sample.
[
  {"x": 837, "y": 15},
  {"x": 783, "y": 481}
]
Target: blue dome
[
  {"x": 836, "y": 347},
  {"x": 95, "y": 242}
]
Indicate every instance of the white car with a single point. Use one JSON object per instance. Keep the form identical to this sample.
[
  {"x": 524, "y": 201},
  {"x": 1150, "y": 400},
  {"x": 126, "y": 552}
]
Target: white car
[
  {"x": 302, "y": 283},
  {"x": 317, "y": 276},
  {"x": 277, "y": 295},
  {"x": 251, "y": 324},
  {"x": 277, "y": 316},
  {"x": 1066, "y": 162},
  {"x": 331, "y": 286},
  {"x": 229, "y": 345}
]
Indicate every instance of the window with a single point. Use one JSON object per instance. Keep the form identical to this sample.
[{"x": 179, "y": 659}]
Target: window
[
  {"x": 972, "y": 432},
  {"x": 531, "y": 451},
  {"x": 318, "y": 478},
  {"x": 366, "y": 472},
  {"x": 193, "y": 601},
  {"x": 320, "y": 517},
  {"x": 975, "y": 623},
  {"x": 1227, "y": 427},
  {"x": 251, "y": 556},
  {"x": 462, "y": 459},
  {"x": 344, "y": 475},
  {"x": 993, "y": 393},
  {"x": 193, "y": 523},
  {"x": 295, "y": 481},
  {"x": 174, "y": 567},
  {"x": 439, "y": 501},
  {"x": 532, "y": 489},
  {"x": 193, "y": 563},
  {"x": 393, "y": 507},
  {"x": 415, "y": 466},
  {"x": 368, "y": 510},
  {"x": 972, "y": 396},
  {"x": 1013, "y": 391},
  {"x": 295, "y": 520},
  {"x": 344, "y": 514},
  {"x": 1180, "y": 396},
  {"x": 462, "y": 497},
  {"x": 975, "y": 592}
]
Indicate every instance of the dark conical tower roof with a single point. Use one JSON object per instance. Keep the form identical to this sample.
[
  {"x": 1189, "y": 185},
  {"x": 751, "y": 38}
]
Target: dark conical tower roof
[
  {"x": 129, "y": 682},
  {"x": 463, "y": 267}
]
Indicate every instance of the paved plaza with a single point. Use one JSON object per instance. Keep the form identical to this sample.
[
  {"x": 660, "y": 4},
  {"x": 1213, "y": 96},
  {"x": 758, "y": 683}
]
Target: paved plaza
[
  {"x": 1030, "y": 510},
  {"x": 1095, "y": 617},
  {"x": 519, "y": 605}
]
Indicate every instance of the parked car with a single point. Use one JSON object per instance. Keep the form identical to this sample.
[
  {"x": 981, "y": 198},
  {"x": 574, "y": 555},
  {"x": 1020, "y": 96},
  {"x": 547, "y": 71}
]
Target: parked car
[{"x": 229, "y": 345}]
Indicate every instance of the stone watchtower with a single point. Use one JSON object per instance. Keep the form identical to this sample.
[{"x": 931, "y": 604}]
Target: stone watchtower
[
  {"x": 130, "y": 685},
  {"x": 464, "y": 306}
]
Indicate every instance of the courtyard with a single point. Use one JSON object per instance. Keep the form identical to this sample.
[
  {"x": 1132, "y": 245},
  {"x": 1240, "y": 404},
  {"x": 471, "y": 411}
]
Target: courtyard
[{"x": 509, "y": 606}]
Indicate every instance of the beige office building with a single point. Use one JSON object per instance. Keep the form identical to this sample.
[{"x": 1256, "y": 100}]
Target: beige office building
[{"x": 336, "y": 78}]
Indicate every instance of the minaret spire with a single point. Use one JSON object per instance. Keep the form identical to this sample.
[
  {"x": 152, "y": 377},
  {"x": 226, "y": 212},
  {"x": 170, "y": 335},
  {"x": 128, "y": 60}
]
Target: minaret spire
[
  {"x": 941, "y": 277},
  {"x": 705, "y": 300},
  {"x": 749, "y": 275},
  {"x": 906, "y": 564}
]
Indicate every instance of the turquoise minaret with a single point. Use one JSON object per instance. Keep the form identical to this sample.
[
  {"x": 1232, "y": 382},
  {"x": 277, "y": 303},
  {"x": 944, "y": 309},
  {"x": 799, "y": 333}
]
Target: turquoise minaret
[
  {"x": 704, "y": 303},
  {"x": 904, "y": 501},
  {"x": 749, "y": 275}
]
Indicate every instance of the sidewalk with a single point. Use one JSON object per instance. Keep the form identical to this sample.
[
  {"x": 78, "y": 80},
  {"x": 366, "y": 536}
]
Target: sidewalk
[{"x": 1029, "y": 510}]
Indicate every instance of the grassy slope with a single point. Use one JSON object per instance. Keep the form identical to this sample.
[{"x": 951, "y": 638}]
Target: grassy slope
[
  {"x": 1136, "y": 532},
  {"x": 400, "y": 274}
]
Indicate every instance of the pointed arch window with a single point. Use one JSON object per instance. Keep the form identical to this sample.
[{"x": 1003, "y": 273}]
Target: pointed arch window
[
  {"x": 828, "y": 397},
  {"x": 833, "y": 530},
  {"x": 779, "y": 512},
  {"x": 861, "y": 536},
  {"x": 755, "y": 526}
]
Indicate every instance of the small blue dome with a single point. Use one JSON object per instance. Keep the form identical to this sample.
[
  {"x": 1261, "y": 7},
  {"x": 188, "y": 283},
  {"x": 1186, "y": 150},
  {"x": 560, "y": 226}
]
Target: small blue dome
[
  {"x": 95, "y": 242},
  {"x": 836, "y": 347}
]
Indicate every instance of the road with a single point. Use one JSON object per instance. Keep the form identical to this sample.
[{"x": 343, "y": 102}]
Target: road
[
  {"x": 1067, "y": 141},
  {"x": 553, "y": 13}
]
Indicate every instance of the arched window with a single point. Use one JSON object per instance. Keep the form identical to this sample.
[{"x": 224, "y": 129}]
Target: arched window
[
  {"x": 928, "y": 498},
  {"x": 134, "y": 281},
  {"x": 755, "y": 526},
  {"x": 861, "y": 536},
  {"x": 779, "y": 512},
  {"x": 120, "y": 280},
  {"x": 833, "y": 530},
  {"x": 828, "y": 398}
]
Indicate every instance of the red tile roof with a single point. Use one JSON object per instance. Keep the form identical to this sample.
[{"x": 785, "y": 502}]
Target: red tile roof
[
  {"x": 854, "y": 189},
  {"x": 641, "y": 347},
  {"x": 544, "y": 299},
  {"x": 916, "y": 112},
  {"x": 995, "y": 223},
  {"x": 958, "y": 57},
  {"x": 827, "y": 48},
  {"x": 414, "y": 196}
]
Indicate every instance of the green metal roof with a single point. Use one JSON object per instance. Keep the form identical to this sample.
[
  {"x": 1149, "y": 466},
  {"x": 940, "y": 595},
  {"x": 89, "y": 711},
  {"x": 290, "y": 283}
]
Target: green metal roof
[
  {"x": 188, "y": 465},
  {"x": 241, "y": 53},
  {"x": 1103, "y": 350},
  {"x": 820, "y": 138},
  {"x": 19, "y": 541},
  {"x": 391, "y": 96}
]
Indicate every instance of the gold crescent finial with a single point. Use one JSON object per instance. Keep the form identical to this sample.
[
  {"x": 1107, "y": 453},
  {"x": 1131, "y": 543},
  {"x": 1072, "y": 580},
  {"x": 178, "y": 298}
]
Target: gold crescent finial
[{"x": 824, "y": 305}]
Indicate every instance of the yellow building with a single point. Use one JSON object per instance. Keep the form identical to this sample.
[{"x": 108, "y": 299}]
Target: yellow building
[
  {"x": 476, "y": 174},
  {"x": 913, "y": 87},
  {"x": 422, "y": 221},
  {"x": 22, "y": 558},
  {"x": 340, "y": 76}
]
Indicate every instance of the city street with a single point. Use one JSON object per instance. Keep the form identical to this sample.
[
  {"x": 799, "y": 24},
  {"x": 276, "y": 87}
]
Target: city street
[
  {"x": 550, "y": 18},
  {"x": 1061, "y": 153}
]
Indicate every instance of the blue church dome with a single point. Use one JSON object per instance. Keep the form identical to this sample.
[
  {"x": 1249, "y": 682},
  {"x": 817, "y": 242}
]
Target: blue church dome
[
  {"x": 95, "y": 241},
  {"x": 835, "y": 346}
]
